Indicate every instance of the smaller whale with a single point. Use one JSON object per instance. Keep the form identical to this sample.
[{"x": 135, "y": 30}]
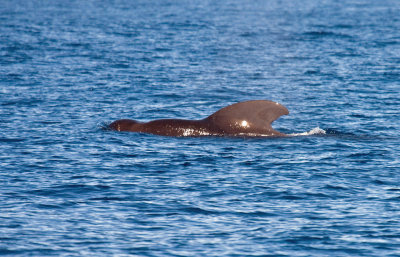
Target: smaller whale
[{"x": 249, "y": 118}]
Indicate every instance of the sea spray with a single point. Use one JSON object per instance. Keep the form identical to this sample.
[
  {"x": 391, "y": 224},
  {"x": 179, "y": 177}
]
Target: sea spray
[{"x": 314, "y": 131}]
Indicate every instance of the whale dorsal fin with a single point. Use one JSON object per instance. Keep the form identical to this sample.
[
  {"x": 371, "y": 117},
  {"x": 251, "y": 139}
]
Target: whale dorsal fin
[{"x": 250, "y": 117}]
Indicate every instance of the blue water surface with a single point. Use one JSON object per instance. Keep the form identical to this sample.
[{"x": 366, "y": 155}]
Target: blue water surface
[{"x": 68, "y": 187}]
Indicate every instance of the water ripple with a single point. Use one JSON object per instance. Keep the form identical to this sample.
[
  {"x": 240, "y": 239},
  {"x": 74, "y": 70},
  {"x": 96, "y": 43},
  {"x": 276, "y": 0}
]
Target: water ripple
[{"x": 70, "y": 187}]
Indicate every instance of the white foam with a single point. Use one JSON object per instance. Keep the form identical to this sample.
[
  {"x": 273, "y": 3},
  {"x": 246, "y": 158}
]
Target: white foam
[{"x": 314, "y": 131}]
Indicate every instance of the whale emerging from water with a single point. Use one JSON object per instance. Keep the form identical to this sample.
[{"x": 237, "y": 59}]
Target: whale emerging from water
[{"x": 250, "y": 118}]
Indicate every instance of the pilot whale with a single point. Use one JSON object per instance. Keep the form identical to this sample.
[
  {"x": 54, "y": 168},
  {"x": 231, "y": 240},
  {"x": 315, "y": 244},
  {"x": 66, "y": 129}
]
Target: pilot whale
[{"x": 249, "y": 118}]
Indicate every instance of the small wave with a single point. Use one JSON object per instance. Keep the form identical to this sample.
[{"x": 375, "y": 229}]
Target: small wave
[
  {"x": 314, "y": 131},
  {"x": 105, "y": 125}
]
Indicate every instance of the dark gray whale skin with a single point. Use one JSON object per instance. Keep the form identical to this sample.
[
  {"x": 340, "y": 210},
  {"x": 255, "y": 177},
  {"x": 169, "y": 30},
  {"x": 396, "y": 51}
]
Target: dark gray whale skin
[{"x": 250, "y": 118}]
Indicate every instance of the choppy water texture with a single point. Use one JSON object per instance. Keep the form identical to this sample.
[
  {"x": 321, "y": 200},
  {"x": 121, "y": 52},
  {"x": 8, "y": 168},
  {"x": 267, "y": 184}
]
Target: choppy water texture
[{"x": 70, "y": 188}]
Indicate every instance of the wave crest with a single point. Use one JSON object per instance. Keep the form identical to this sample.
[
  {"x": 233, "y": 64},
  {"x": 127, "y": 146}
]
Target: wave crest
[{"x": 314, "y": 131}]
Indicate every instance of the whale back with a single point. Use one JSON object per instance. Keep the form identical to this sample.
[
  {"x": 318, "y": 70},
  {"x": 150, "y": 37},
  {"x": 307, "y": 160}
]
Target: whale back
[
  {"x": 124, "y": 125},
  {"x": 250, "y": 117}
]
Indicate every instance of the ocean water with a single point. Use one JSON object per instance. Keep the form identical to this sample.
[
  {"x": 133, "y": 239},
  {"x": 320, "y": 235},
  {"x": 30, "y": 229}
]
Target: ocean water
[{"x": 69, "y": 187}]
